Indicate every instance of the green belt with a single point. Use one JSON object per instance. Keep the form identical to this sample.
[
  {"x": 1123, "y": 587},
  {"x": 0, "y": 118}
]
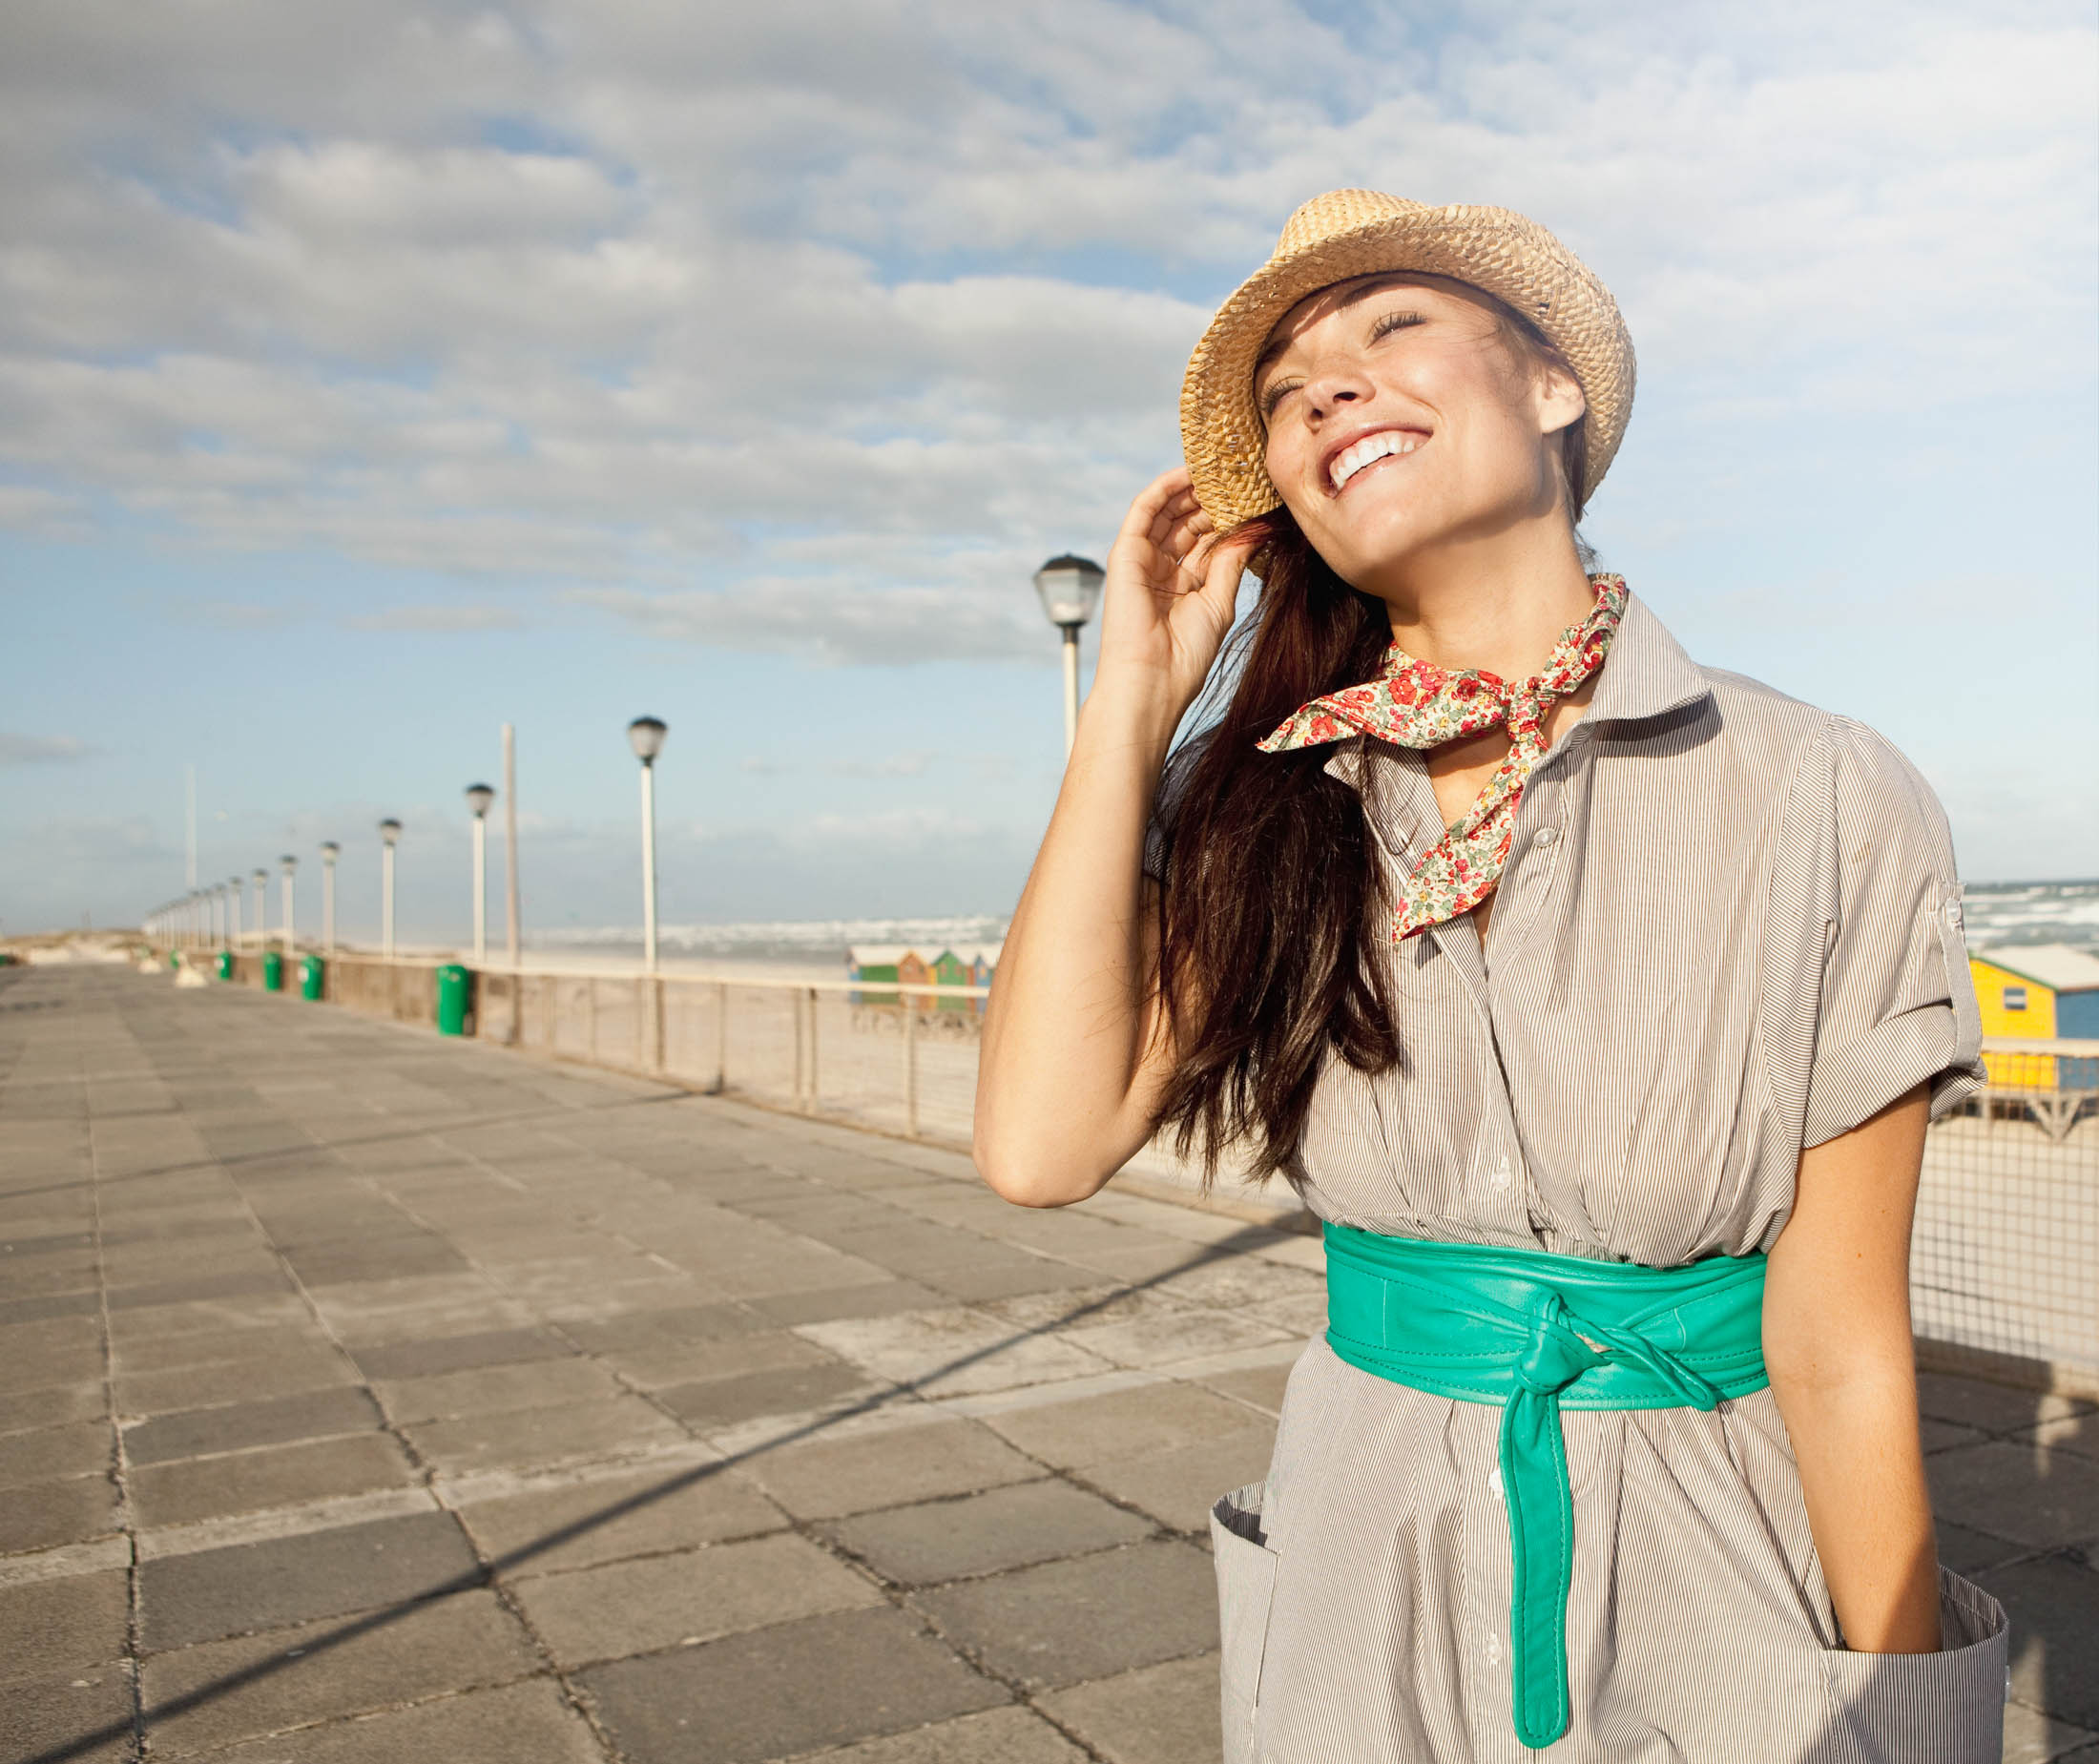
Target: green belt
[{"x": 1536, "y": 1333}]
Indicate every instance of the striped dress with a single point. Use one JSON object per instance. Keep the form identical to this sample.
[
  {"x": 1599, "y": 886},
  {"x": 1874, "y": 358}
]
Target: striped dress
[{"x": 1729, "y": 929}]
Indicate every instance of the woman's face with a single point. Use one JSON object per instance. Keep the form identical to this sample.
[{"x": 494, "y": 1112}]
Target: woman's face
[{"x": 1401, "y": 421}]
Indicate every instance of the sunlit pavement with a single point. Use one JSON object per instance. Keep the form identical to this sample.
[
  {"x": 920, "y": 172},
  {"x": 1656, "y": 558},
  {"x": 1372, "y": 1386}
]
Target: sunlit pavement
[{"x": 367, "y": 1396}]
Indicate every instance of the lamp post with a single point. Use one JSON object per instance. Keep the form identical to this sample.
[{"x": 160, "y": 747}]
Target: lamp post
[
  {"x": 331, "y": 851},
  {"x": 646, "y": 735},
  {"x": 261, "y": 880},
  {"x": 479, "y": 797},
  {"x": 390, "y": 836},
  {"x": 232, "y": 886},
  {"x": 1069, "y": 587},
  {"x": 291, "y": 921}
]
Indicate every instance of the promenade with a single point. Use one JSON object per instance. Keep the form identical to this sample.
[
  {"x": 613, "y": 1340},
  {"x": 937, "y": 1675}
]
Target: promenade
[{"x": 371, "y": 1397}]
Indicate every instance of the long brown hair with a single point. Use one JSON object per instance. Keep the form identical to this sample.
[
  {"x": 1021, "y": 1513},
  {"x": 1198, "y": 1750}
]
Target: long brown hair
[{"x": 1271, "y": 917}]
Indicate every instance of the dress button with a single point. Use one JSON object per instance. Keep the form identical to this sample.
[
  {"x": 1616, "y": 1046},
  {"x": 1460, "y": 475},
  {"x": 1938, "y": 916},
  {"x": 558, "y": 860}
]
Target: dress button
[{"x": 1544, "y": 837}]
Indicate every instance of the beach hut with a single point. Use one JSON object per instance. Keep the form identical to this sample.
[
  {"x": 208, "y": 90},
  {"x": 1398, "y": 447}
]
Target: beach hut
[
  {"x": 874, "y": 963},
  {"x": 984, "y": 961},
  {"x": 2039, "y": 992},
  {"x": 949, "y": 969}
]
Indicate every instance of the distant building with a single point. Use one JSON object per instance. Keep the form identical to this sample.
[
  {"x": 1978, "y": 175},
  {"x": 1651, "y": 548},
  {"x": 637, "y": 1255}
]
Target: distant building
[
  {"x": 2039, "y": 992},
  {"x": 877, "y": 969}
]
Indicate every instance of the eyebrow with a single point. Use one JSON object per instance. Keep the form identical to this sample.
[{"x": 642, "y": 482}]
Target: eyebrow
[{"x": 1365, "y": 288}]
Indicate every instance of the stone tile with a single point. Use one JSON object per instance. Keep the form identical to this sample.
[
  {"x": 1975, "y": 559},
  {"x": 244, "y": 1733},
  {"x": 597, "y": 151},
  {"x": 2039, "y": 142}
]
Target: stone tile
[
  {"x": 80, "y": 1363},
  {"x": 641, "y": 1331},
  {"x": 829, "y": 1479},
  {"x": 205, "y": 1347},
  {"x": 952, "y": 1352},
  {"x": 2064, "y": 1433},
  {"x": 240, "y": 1283},
  {"x": 51, "y": 1627},
  {"x": 383, "y": 1258},
  {"x": 2054, "y": 1605},
  {"x": 695, "y": 1363},
  {"x": 2031, "y": 1738},
  {"x": 1995, "y": 1408},
  {"x": 521, "y": 1438},
  {"x": 824, "y": 1304},
  {"x": 78, "y": 1449},
  {"x": 539, "y": 1383},
  {"x": 1010, "y": 1527},
  {"x": 226, "y": 1381},
  {"x": 657, "y": 1602},
  {"x": 992, "y": 1278},
  {"x": 1261, "y": 1386},
  {"x": 69, "y": 1510},
  {"x": 157, "y": 1322},
  {"x": 193, "y": 1488},
  {"x": 411, "y": 1309},
  {"x": 1159, "y": 1715},
  {"x": 1009, "y": 1735},
  {"x": 1939, "y": 1436},
  {"x": 14, "y": 1311},
  {"x": 775, "y": 1692},
  {"x": 220, "y": 1592},
  {"x": 724, "y": 1402},
  {"x": 603, "y": 1520},
  {"x": 1156, "y": 1342},
  {"x": 314, "y": 1414},
  {"x": 1995, "y": 1487},
  {"x": 1123, "y": 1423},
  {"x": 1178, "y": 1488},
  {"x": 84, "y": 1717},
  {"x": 1087, "y": 1618},
  {"x": 1971, "y": 1552},
  {"x": 432, "y": 1358},
  {"x": 213, "y": 1695},
  {"x": 528, "y": 1723}
]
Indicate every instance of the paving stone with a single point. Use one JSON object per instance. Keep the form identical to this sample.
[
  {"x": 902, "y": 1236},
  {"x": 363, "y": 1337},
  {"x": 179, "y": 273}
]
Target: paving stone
[
  {"x": 77, "y": 1449},
  {"x": 52, "y": 1627},
  {"x": 993, "y": 1278},
  {"x": 1122, "y": 1424},
  {"x": 1178, "y": 1488},
  {"x": 1157, "y": 1341},
  {"x": 83, "y": 1716},
  {"x": 1009, "y": 1735},
  {"x": 540, "y": 1383},
  {"x": 2031, "y": 1738},
  {"x": 1995, "y": 1408},
  {"x": 528, "y": 1723},
  {"x": 829, "y": 1479},
  {"x": 243, "y": 1586},
  {"x": 638, "y": 1331},
  {"x": 630, "y": 1515},
  {"x": 54, "y": 1406},
  {"x": 370, "y": 1312},
  {"x": 774, "y": 1692},
  {"x": 193, "y": 1488},
  {"x": 524, "y": 1437},
  {"x": 426, "y": 1359},
  {"x": 981, "y": 1534},
  {"x": 205, "y": 1347},
  {"x": 1995, "y": 1487},
  {"x": 1939, "y": 1436},
  {"x": 2064, "y": 1433},
  {"x": 1971, "y": 1552},
  {"x": 952, "y": 1352},
  {"x": 657, "y": 1602},
  {"x": 2054, "y": 1607},
  {"x": 385, "y": 1258},
  {"x": 1090, "y": 1617},
  {"x": 716, "y": 1403},
  {"x": 313, "y": 1414},
  {"x": 1261, "y": 1386},
  {"x": 823, "y": 1305},
  {"x": 695, "y": 1362},
  {"x": 77, "y": 1364},
  {"x": 157, "y": 1322},
  {"x": 1159, "y": 1715},
  {"x": 227, "y": 1382},
  {"x": 213, "y": 1695},
  {"x": 14, "y": 1311},
  {"x": 241, "y": 1283},
  {"x": 69, "y": 1510}
]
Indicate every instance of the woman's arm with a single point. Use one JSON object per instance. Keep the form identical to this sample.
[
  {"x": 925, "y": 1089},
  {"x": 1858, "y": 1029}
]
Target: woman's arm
[
  {"x": 1836, "y": 1340},
  {"x": 1072, "y": 1052}
]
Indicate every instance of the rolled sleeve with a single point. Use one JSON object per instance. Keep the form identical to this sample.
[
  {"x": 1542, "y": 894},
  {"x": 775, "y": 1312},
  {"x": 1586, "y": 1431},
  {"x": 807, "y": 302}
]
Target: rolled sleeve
[{"x": 1897, "y": 1002}]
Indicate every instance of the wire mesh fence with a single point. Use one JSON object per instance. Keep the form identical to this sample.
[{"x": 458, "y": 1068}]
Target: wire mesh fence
[{"x": 2005, "y": 1262}]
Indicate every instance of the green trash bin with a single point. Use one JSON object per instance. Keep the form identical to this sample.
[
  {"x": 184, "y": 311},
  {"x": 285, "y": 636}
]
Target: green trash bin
[
  {"x": 455, "y": 994},
  {"x": 273, "y": 970},
  {"x": 225, "y": 964},
  {"x": 312, "y": 971}
]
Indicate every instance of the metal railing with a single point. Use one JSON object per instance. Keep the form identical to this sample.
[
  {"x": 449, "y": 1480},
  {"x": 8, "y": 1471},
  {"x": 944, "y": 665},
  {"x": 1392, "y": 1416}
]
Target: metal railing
[{"x": 2005, "y": 1262}]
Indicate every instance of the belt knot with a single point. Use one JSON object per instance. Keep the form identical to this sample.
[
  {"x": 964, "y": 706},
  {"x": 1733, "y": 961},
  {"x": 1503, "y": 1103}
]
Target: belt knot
[{"x": 1557, "y": 1353}]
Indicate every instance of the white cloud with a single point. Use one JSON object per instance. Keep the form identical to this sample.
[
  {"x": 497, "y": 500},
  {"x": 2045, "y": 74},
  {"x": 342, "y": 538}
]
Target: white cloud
[
  {"x": 438, "y": 619},
  {"x": 29, "y": 750}
]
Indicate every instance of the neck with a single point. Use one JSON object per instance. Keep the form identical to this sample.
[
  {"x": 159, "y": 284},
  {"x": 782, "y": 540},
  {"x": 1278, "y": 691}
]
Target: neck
[{"x": 1498, "y": 605}]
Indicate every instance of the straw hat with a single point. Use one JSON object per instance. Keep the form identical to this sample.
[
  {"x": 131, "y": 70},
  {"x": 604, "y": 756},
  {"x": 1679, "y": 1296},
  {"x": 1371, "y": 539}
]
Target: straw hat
[{"x": 1349, "y": 233}]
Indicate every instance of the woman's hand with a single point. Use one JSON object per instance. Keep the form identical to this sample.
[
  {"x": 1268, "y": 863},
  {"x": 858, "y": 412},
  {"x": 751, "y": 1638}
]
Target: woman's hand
[{"x": 1171, "y": 588}]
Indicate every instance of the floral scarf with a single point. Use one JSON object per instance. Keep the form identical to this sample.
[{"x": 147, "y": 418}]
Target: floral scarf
[{"x": 1417, "y": 704}]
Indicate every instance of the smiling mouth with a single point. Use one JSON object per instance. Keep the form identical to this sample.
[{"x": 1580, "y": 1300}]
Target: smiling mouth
[{"x": 1385, "y": 443}]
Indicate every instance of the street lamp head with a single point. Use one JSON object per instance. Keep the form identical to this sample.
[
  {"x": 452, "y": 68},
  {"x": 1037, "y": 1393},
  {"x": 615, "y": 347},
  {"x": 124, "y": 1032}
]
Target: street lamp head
[
  {"x": 389, "y": 830},
  {"x": 260, "y": 874},
  {"x": 289, "y": 862},
  {"x": 1069, "y": 587},
  {"x": 235, "y": 881},
  {"x": 331, "y": 851},
  {"x": 646, "y": 734},
  {"x": 478, "y": 798}
]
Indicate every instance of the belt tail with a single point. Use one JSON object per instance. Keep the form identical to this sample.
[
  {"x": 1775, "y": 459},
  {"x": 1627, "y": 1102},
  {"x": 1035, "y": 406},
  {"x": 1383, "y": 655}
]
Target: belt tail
[{"x": 1540, "y": 1502}]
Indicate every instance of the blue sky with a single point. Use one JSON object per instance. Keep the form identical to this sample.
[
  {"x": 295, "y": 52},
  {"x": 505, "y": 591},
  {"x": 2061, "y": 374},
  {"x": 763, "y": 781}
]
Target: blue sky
[{"x": 365, "y": 386}]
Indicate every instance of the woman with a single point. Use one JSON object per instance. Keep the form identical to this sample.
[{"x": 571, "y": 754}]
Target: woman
[{"x": 1596, "y": 1001}]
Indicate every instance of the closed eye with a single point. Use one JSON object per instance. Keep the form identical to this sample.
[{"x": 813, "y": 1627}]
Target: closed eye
[
  {"x": 1395, "y": 322},
  {"x": 1274, "y": 395}
]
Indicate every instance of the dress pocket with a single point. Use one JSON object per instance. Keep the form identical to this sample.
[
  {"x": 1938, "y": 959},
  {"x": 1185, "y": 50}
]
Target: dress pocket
[
  {"x": 1246, "y": 1587},
  {"x": 1947, "y": 1707}
]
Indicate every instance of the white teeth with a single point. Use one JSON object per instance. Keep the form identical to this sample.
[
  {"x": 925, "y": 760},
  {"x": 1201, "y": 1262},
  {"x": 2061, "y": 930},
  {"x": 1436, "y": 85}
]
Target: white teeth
[{"x": 1384, "y": 443}]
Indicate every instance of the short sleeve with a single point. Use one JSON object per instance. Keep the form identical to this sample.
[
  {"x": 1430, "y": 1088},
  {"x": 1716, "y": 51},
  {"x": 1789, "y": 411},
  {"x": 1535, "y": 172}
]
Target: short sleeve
[{"x": 1896, "y": 1005}]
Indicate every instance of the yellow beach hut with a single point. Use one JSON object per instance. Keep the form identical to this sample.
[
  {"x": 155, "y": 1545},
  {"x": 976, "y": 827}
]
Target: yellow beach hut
[{"x": 2038, "y": 992}]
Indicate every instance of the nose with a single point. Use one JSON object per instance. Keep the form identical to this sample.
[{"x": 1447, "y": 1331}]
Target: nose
[{"x": 1333, "y": 385}]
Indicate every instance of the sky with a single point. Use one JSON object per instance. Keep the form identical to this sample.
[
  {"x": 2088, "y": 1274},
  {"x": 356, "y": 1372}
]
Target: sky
[{"x": 372, "y": 376}]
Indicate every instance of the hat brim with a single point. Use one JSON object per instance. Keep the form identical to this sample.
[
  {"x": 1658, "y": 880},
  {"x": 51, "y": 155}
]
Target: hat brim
[{"x": 1506, "y": 253}]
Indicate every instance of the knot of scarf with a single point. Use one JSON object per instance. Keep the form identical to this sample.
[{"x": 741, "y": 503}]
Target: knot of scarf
[{"x": 1415, "y": 703}]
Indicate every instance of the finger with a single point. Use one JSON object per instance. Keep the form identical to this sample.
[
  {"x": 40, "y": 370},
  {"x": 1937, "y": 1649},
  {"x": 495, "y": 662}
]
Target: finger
[
  {"x": 1172, "y": 515},
  {"x": 1151, "y": 499}
]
